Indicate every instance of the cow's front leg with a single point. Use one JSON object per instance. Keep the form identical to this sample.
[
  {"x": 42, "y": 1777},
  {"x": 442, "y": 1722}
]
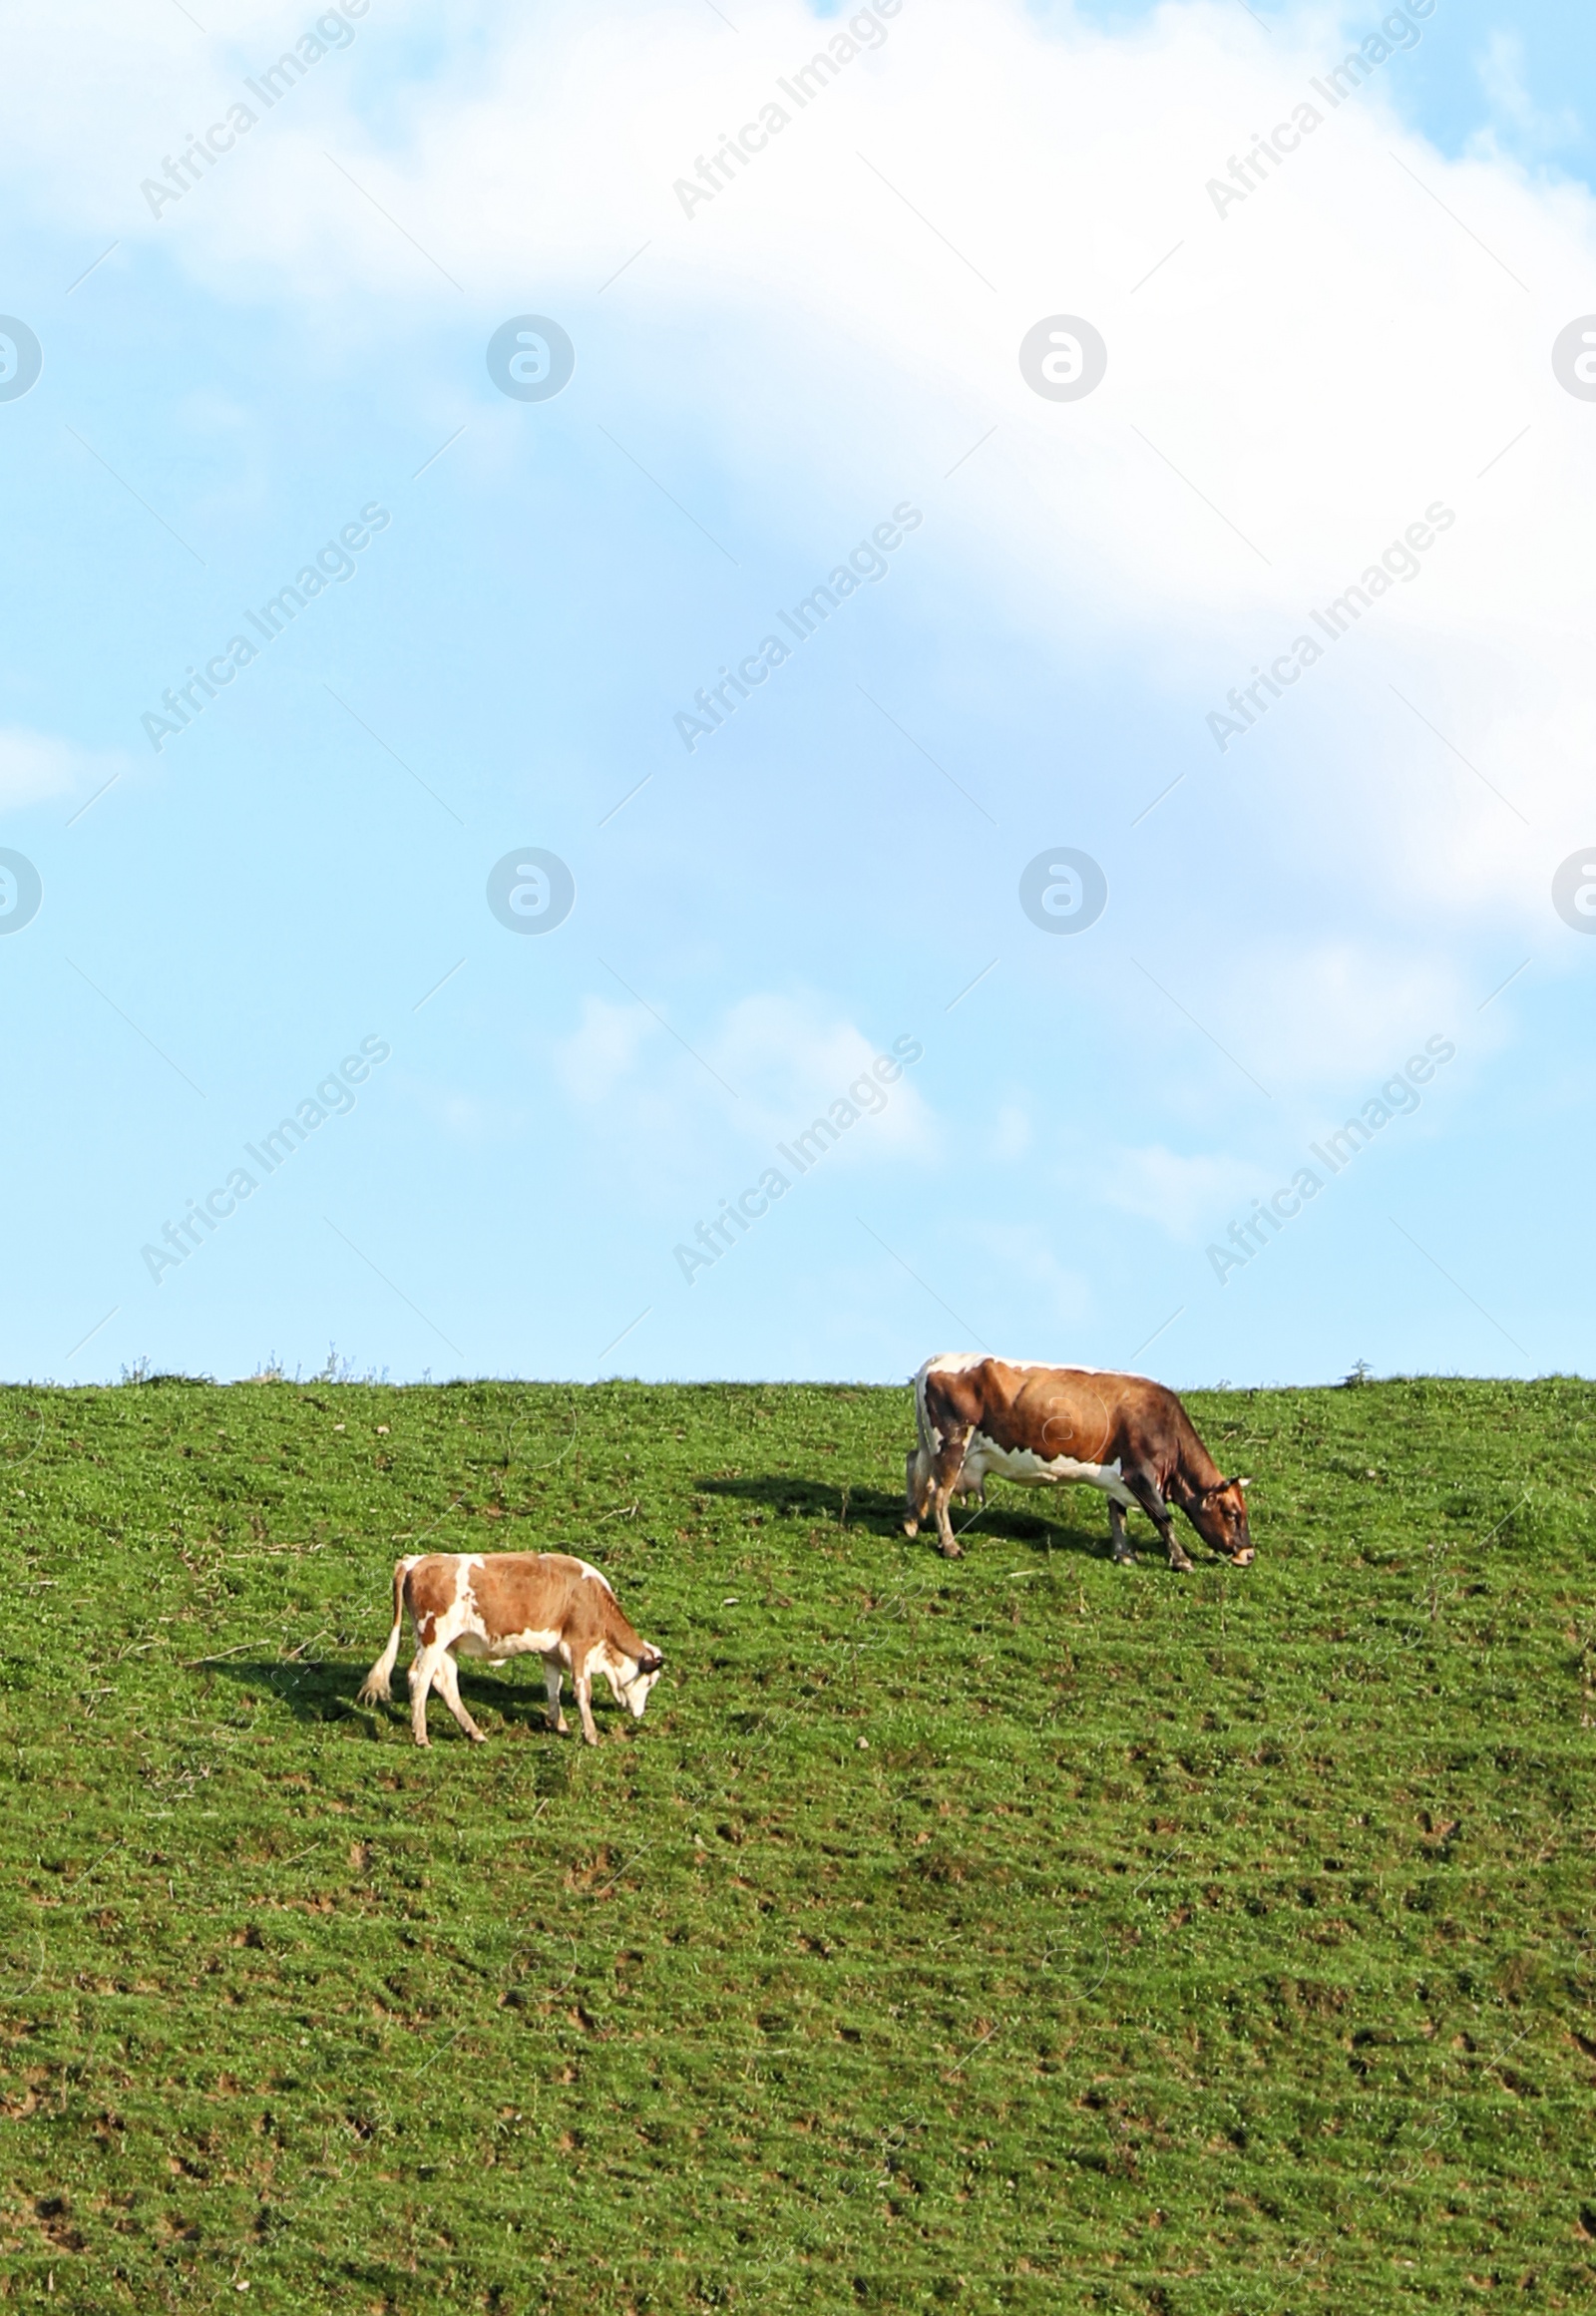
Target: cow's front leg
[
  {"x": 581, "y": 1683},
  {"x": 1120, "y": 1541},
  {"x": 552, "y": 1676},
  {"x": 1145, "y": 1491}
]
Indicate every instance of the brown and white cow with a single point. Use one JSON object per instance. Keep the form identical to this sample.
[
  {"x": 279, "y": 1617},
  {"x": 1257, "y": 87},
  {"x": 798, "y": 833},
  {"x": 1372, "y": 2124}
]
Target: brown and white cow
[
  {"x": 1040, "y": 1425},
  {"x": 511, "y": 1603}
]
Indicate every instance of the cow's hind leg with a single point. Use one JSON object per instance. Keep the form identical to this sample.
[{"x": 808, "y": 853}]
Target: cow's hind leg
[
  {"x": 949, "y": 1462},
  {"x": 1120, "y": 1541},
  {"x": 554, "y": 1674},
  {"x": 1146, "y": 1493},
  {"x": 447, "y": 1679},
  {"x": 424, "y": 1667}
]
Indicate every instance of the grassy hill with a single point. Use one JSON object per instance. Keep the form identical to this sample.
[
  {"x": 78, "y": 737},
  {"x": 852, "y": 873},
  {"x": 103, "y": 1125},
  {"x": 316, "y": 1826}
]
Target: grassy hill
[{"x": 1022, "y": 1932}]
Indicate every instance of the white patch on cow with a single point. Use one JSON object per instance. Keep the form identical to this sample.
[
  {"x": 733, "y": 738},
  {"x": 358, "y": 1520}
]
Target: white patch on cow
[
  {"x": 465, "y": 1602},
  {"x": 477, "y": 1641},
  {"x": 598, "y": 1576},
  {"x": 1029, "y": 1469}
]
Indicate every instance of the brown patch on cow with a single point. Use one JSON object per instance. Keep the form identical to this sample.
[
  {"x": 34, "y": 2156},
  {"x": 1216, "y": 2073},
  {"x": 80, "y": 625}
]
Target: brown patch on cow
[
  {"x": 430, "y": 1589},
  {"x": 517, "y": 1591},
  {"x": 1051, "y": 1410}
]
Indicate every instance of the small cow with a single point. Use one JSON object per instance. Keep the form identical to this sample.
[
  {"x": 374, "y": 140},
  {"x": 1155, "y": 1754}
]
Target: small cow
[
  {"x": 1040, "y": 1425},
  {"x": 511, "y": 1603}
]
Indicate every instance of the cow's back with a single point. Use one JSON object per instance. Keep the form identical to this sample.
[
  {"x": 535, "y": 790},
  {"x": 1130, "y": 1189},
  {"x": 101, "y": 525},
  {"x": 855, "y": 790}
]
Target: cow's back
[
  {"x": 506, "y": 1592},
  {"x": 1090, "y": 1415},
  {"x": 524, "y": 1592},
  {"x": 1102, "y": 1416}
]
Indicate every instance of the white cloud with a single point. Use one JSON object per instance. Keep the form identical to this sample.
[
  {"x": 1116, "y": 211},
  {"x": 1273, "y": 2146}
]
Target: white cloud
[
  {"x": 1012, "y": 1135},
  {"x": 709, "y": 1110},
  {"x": 1331, "y": 1013},
  {"x": 1021, "y": 1252},
  {"x": 1290, "y": 384},
  {"x": 1500, "y": 67},
  {"x": 34, "y": 765},
  {"x": 603, "y": 1050},
  {"x": 1180, "y": 1193},
  {"x": 790, "y": 1062}
]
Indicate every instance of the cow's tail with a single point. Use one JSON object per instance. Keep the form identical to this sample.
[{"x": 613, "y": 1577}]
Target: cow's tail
[
  {"x": 921, "y": 1459},
  {"x": 375, "y": 1690},
  {"x": 923, "y": 1422}
]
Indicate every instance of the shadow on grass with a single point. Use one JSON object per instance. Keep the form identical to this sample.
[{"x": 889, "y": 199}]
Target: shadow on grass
[
  {"x": 322, "y": 1693},
  {"x": 881, "y": 1514}
]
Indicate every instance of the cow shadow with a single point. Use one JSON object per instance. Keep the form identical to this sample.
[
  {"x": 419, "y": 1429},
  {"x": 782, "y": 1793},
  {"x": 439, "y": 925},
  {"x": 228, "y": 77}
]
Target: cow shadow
[
  {"x": 321, "y": 1692},
  {"x": 882, "y": 1514}
]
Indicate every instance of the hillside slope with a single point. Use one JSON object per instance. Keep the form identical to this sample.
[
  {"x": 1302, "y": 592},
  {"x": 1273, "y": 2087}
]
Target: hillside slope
[{"x": 1024, "y": 1932}]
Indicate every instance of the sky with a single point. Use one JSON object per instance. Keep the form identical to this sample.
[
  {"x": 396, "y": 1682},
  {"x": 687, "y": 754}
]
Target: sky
[{"x": 1190, "y": 738}]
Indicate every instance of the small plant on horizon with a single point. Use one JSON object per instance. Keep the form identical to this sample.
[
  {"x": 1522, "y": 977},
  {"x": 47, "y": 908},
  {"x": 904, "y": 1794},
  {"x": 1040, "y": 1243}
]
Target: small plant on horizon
[
  {"x": 336, "y": 1371},
  {"x": 140, "y": 1371},
  {"x": 270, "y": 1370},
  {"x": 1361, "y": 1372}
]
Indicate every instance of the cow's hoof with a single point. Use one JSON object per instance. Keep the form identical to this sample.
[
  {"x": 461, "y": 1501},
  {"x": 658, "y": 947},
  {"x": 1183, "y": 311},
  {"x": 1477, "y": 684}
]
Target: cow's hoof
[
  {"x": 911, "y": 1527},
  {"x": 952, "y": 1551},
  {"x": 1181, "y": 1566},
  {"x": 1124, "y": 1559}
]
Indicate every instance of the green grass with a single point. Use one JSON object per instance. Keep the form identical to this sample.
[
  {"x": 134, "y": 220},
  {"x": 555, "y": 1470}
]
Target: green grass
[{"x": 1022, "y": 1932}]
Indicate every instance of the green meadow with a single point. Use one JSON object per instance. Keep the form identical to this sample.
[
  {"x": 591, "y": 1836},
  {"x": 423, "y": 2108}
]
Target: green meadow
[{"x": 1020, "y": 1932}]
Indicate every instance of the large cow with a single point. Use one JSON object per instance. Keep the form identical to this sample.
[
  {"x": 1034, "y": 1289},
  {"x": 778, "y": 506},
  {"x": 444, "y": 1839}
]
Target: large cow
[
  {"x": 1040, "y": 1425},
  {"x": 511, "y": 1603}
]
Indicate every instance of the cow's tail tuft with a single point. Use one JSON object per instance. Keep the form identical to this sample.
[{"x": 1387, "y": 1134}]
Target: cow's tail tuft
[{"x": 375, "y": 1690}]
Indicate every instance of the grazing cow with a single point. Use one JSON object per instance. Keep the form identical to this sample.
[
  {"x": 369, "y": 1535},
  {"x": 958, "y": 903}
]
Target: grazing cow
[
  {"x": 511, "y": 1603},
  {"x": 1040, "y": 1425}
]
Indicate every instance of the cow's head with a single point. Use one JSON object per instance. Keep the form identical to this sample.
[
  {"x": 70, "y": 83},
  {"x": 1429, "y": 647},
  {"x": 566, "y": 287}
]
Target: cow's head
[
  {"x": 634, "y": 1677},
  {"x": 1219, "y": 1515}
]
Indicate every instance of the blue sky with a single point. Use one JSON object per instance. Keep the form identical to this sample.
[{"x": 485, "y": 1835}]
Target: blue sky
[{"x": 1037, "y": 665}]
